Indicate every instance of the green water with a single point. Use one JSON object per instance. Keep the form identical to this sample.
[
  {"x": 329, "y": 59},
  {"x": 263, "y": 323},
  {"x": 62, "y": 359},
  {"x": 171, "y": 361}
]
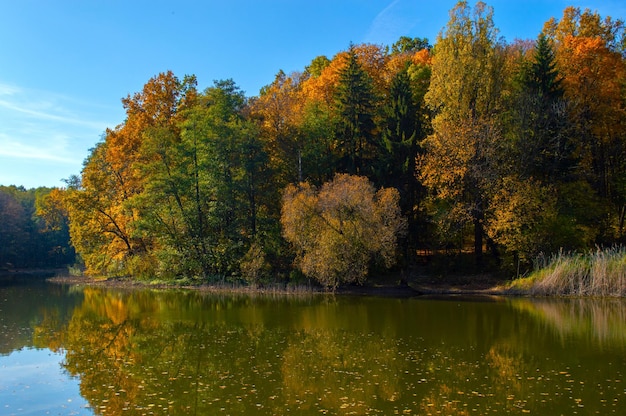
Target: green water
[{"x": 98, "y": 351}]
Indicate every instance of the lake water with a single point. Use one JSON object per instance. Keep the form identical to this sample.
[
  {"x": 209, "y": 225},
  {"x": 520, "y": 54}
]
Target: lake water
[{"x": 67, "y": 350}]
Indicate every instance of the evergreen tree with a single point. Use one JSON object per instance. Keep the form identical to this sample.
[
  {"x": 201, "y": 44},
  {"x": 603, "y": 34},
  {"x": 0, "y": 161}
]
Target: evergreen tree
[
  {"x": 543, "y": 77},
  {"x": 537, "y": 206},
  {"x": 541, "y": 112},
  {"x": 354, "y": 106},
  {"x": 400, "y": 132}
]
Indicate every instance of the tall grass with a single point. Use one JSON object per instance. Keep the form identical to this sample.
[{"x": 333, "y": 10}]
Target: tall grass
[{"x": 598, "y": 273}]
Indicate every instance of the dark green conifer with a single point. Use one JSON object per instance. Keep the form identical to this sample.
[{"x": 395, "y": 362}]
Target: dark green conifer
[
  {"x": 543, "y": 144},
  {"x": 354, "y": 107}
]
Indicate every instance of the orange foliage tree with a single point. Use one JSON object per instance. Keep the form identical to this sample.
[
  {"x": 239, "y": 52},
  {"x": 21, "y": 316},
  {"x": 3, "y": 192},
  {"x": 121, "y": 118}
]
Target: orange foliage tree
[
  {"x": 590, "y": 53},
  {"x": 193, "y": 178},
  {"x": 101, "y": 203}
]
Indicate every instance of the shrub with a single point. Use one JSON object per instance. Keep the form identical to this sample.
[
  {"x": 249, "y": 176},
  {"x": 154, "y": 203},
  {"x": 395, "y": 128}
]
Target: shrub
[{"x": 338, "y": 230}]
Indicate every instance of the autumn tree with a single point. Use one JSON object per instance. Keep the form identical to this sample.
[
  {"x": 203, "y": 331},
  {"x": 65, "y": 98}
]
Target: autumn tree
[
  {"x": 525, "y": 218},
  {"x": 374, "y": 60},
  {"x": 587, "y": 24},
  {"x": 590, "y": 55},
  {"x": 339, "y": 229},
  {"x": 103, "y": 203},
  {"x": 523, "y": 145},
  {"x": 101, "y": 224},
  {"x": 278, "y": 110},
  {"x": 465, "y": 94},
  {"x": 321, "y": 79}
]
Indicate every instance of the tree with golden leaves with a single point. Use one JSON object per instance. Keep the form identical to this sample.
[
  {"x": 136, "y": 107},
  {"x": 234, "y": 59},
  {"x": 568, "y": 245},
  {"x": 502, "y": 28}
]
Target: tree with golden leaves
[
  {"x": 465, "y": 96},
  {"x": 339, "y": 229},
  {"x": 278, "y": 110},
  {"x": 103, "y": 203}
]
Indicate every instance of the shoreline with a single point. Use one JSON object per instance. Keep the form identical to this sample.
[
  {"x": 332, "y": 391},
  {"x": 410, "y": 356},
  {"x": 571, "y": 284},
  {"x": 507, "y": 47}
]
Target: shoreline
[{"x": 421, "y": 286}]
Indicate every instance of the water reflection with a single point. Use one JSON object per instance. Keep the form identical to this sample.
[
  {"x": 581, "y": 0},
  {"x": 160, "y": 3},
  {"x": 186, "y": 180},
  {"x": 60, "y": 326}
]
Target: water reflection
[
  {"x": 33, "y": 383},
  {"x": 178, "y": 353},
  {"x": 601, "y": 323},
  {"x": 24, "y": 306}
]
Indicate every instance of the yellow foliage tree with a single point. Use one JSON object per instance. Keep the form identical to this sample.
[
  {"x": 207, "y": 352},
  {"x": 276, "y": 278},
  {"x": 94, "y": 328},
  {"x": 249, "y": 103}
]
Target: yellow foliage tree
[
  {"x": 523, "y": 217},
  {"x": 465, "y": 95},
  {"x": 278, "y": 110},
  {"x": 339, "y": 229}
]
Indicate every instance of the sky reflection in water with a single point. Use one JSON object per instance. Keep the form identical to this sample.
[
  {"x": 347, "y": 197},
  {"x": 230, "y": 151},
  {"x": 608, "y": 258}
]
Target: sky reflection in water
[{"x": 33, "y": 382}]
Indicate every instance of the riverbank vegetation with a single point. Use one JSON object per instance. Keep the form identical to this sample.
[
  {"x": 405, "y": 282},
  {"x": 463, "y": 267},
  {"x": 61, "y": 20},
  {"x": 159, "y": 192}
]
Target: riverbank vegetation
[
  {"x": 33, "y": 233},
  {"x": 596, "y": 273},
  {"x": 503, "y": 150}
]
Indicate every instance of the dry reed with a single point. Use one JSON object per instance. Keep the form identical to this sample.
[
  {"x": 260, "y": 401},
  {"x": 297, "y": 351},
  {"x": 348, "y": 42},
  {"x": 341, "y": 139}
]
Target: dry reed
[{"x": 598, "y": 273}]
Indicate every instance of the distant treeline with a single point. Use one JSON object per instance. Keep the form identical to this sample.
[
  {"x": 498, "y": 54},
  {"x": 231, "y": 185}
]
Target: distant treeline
[
  {"x": 32, "y": 235},
  {"x": 481, "y": 146}
]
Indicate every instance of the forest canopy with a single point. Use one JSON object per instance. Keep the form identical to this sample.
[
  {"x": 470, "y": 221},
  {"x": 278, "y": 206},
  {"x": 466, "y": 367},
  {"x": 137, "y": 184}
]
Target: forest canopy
[
  {"x": 504, "y": 150},
  {"x": 34, "y": 231}
]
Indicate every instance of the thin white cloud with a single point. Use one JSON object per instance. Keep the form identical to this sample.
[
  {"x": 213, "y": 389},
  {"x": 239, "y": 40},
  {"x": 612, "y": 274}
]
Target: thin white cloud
[
  {"x": 55, "y": 152},
  {"x": 395, "y": 20},
  {"x": 46, "y": 131},
  {"x": 43, "y": 105},
  {"x": 8, "y": 89},
  {"x": 51, "y": 116}
]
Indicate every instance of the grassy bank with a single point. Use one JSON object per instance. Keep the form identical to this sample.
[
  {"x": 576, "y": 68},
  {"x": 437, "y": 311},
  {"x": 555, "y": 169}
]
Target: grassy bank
[
  {"x": 597, "y": 273},
  {"x": 128, "y": 283}
]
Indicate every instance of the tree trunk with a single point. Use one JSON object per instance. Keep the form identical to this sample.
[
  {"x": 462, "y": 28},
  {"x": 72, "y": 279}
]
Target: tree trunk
[{"x": 478, "y": 239}]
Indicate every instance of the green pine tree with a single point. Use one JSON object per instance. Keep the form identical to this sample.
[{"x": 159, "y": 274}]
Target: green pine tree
[
  {"x": 354, "y": 106},
  {"x": 541, "y": 111}
]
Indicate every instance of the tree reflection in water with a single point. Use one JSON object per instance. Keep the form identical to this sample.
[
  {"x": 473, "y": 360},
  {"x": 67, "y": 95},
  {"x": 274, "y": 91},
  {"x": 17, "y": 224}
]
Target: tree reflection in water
[{"x": 178, "y": 353}]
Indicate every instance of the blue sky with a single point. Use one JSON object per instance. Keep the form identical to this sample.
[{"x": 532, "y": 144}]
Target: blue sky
[{"x": 65, "y": 65}]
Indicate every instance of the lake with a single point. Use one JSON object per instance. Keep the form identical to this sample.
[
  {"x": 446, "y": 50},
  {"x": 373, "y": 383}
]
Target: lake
[{"x": 83, "y": 351}]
